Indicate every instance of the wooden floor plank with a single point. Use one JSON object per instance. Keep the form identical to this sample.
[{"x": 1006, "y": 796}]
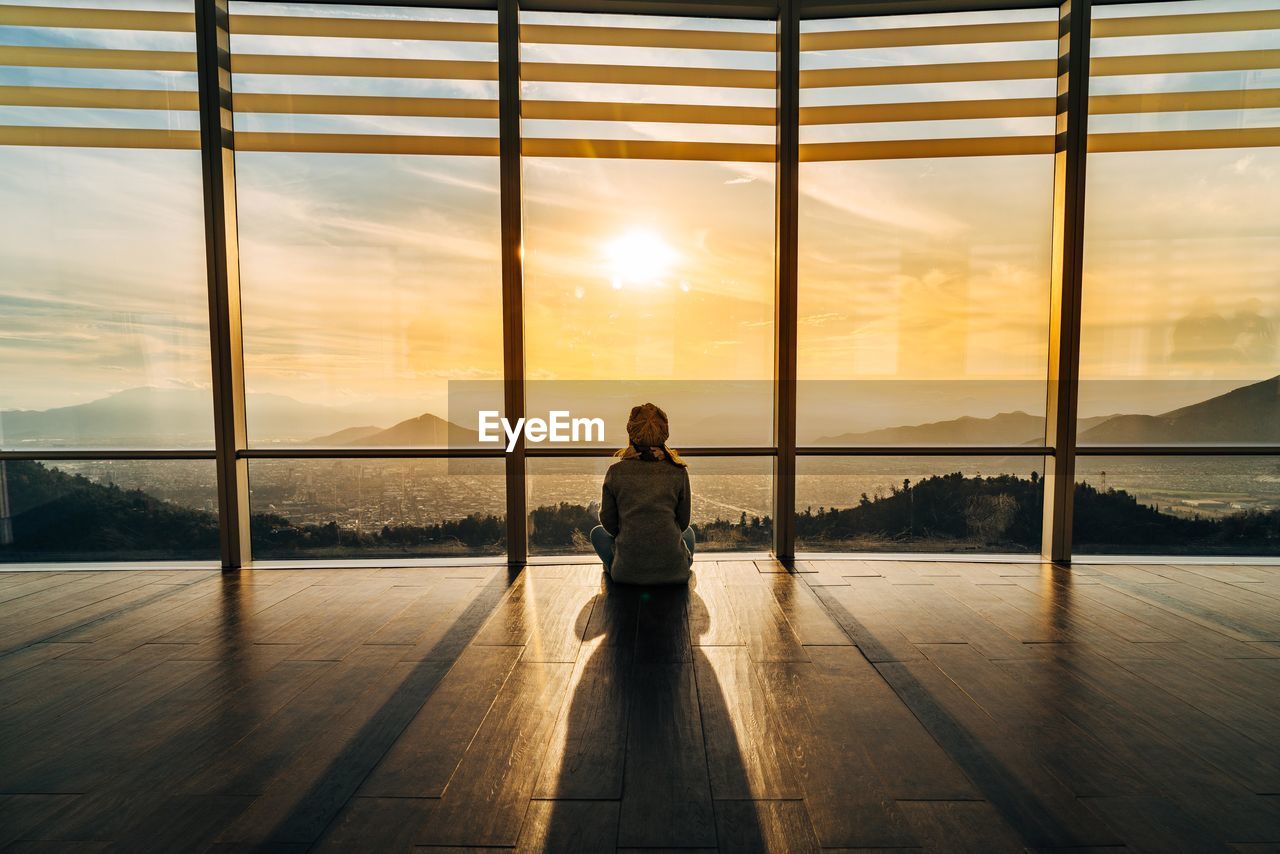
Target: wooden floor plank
[
  {"x": 1211, "y": 610},
  {"x": 1032, "y": 718},
  {"x": 1045, "y": 812},
  {"x": 28, "y": 657},
  {"x": 486, "y": 799},
  {"x": 768, "y": 634},
  {"x": 746, "y": 757},
  {"x": 308, "y": 793},
  {"x": 1163, "y": 757},
  {"x": 662, "y": 625},
  {"x": 134, "y": 774},
  {"x": 302, "y": 724},
  {"x": 567, "y": 825},
  {"x": 423, "y": 760},
  {"x": 941, "y": 618},
  {"x": 712, "y": 621},
  {"x": 20, "y": 814},
  {"x": 556, "y": 631},
  {"x": 866, "y": 614},
  {"x": 52, "y": 756},
  {"x": 61, "y": 686},
  {"x": 961, "y": 826},
  {"x": 846, "y": 798},
  {"x": 765, "y": 826},
  {"x": 912, "y": 764},
  {"x": 587, "y": 751},
  {"x": 1208, "y": 641},
  {"x": 665, "y": 742},
  {"x": 811, "y": 622},
  {"x": 116, "y": 597},
  {"x": 375, "y": 824}
]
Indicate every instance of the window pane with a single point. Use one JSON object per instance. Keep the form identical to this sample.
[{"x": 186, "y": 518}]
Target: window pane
[
  {"x": 377, "y": 508},
  {"x": 919, "y": 504},
  {"x": 648, "y": 207},
  {"x": 926, "y": 183},
  {"x": 1182, "y": 229},
  {"x": 731, "y": 500},
  {"x": 1178, "y": 505},
  {"x": 367, "y": 186},
  {"x": 104, "y": 337},
  {"x": 100, "y": 511}
]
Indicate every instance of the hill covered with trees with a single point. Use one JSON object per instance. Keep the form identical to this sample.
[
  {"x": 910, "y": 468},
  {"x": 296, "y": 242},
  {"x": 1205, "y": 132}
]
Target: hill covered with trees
[{"x": 60, "y": 516}]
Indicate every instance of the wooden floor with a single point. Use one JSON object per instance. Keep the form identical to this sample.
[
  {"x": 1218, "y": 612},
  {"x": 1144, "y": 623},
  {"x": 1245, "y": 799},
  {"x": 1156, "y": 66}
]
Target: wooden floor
[{"x": 853, "y": 704}]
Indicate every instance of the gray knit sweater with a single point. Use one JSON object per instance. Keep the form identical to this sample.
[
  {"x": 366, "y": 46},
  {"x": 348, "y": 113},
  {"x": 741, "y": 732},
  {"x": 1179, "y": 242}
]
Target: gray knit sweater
[{"x": 645, "y": 505}]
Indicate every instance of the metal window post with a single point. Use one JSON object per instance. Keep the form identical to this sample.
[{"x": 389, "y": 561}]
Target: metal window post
[
  {"x": 217, "y": 153},
  {"x": 512, "y": 270},
  {"x": 1066, "y": 277},
  {"x": 786, "y": 228}
]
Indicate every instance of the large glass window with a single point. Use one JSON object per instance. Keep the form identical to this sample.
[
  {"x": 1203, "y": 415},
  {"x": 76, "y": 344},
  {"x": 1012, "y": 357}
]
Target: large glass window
[
  {"x": 367, "y": 188},
  {"x": 107, "y": 510},
  {"x": 1183, "y": 505},
  {"x": 1181, "y": 322},
  {"x": 104, "y": 335},
  {"x": 377, "y": 508},
  {"x": 648, "y": 214},
  {"x": 731, "y": 507},
  {"x": 926, "y": 182},
  {"x": 919, "y": 504},
  {"x": 1180, "y": 340}
]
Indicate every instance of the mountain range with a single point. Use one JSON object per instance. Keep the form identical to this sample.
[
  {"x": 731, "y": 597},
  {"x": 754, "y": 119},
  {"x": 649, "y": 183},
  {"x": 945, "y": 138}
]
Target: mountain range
[
  {"x": 1246, "y": 415},
  {"x": 426, "y": 430},
  {"x": 154, "y": 417},
  {"x": 151, "y": 417}
]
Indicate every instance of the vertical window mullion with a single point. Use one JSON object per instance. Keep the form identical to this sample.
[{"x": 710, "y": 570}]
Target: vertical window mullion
[
  {"x": 786, "y": 260},
  {"x": 1071, "y": 135},
  {"x": 512, "y": 271},
  {"x": 217, "y": 152}
]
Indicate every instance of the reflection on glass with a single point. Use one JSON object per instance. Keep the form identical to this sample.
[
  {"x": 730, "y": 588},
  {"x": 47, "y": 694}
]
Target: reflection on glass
[
  {"x": 1182, "y": 232},
  {"x": 377, "y": 508},
  {"x": 104, "y": 331},
  {"x": 925, "y": 205},
  {"x": 1177, "y": 505},
  {"x": 99, "y": 511},
  {"x": 919, "y": 504},
  {"x": 369, "y": 225},
  {"x": 732, "y": 501}
]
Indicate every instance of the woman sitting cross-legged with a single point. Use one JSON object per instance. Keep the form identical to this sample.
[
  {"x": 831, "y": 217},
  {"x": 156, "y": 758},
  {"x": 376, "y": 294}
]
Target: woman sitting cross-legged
[{"x": 644, "y": 535}]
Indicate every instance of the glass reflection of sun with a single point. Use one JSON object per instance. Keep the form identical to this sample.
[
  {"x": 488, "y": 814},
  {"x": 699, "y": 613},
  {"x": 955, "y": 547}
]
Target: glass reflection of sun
[{"x": 638, "y": 257}]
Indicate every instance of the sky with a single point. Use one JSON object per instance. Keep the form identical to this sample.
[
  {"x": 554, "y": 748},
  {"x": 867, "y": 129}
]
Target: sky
[{"x": 373, "y": 280}]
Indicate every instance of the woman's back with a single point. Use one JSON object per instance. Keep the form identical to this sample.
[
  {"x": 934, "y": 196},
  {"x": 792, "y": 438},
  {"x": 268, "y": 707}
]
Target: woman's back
[{"x": 645, "y": 505}]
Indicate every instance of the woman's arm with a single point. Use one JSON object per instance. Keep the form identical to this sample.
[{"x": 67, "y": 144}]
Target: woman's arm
[
  {"x": 684, "y": 503},
  {"x": 608, "y": 509}
]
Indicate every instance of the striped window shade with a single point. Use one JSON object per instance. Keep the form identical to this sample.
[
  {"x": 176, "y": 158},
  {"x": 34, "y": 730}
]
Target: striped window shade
[
  {"x": 651, "y": 88},
  {"x": 1171, "y": 76},
  {"x": 364, "y": 79},
  {"x": 121, "y": 75},
  {"x": 944, "y": 85}
]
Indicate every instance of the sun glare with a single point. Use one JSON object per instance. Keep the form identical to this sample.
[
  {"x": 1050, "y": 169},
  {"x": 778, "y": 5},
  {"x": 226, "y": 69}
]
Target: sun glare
[{"x": 638, "y": 257}]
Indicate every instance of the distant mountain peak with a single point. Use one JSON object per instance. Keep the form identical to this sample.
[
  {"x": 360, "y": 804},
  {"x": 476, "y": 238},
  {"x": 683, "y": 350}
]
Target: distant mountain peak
[
  {"x": 425, "y": 430},
  {"x": 1246, "y": 415},
  {"x": 1013, "y": 428}
]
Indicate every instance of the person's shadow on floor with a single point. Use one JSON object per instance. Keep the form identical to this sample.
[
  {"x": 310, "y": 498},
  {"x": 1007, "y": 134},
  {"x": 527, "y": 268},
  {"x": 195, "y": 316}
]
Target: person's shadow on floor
[{"x": 637, "y": 729}]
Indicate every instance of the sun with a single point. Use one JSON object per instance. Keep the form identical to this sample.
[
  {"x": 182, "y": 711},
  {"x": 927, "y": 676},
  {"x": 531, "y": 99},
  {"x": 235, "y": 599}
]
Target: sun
[{"x": 639, "y": 256}]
